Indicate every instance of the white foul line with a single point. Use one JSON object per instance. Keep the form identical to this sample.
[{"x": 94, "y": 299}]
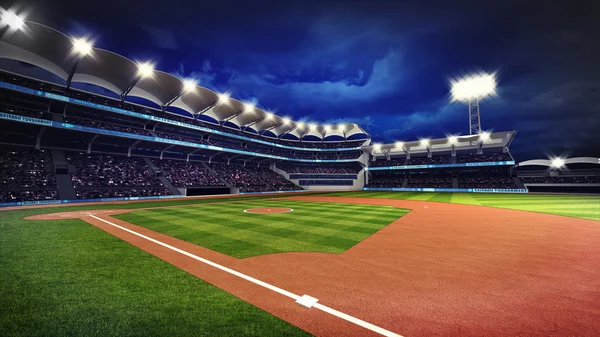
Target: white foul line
[{"x": 283, "y": 292}]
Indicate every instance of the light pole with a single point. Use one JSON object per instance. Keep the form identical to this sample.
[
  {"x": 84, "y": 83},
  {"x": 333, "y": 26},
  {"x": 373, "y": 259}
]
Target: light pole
[{"x": 471, "y": 89}]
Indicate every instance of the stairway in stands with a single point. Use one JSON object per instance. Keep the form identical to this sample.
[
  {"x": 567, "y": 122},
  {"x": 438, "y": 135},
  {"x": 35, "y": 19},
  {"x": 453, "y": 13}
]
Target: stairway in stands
[
  {"x": 62, "y": 173},
  {"x": 157, "y": 172}
]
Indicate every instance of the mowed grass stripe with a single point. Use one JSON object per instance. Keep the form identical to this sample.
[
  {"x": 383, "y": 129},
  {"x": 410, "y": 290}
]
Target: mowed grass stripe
[
  {"x": 266, "y": 223},
  {"x": 299, "y": 215},
  {"x": 224, "y": 227}
]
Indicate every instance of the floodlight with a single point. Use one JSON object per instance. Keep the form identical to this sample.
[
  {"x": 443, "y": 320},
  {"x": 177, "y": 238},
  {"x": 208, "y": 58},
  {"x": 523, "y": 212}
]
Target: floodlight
[
  {"x": 223, "y": 98},
  {"x": 452, "y": 140},
  {"x": 145, "y": 69},
  {"x": 425, "y": 142},
  {"x": 377, "y": 146},
  {"x": 484, "y": 136},
  {"x": 400, "y": 144},
  {"x": 341, "y": 126},
  {"x": 327, "y": 127},
  {"x": 473, "y": 87},
  {"x": 189, "y": 85},
  {"x": 82, "y": 46},
  {"x": 286, "y": 120},
  {"x": 269, "y": 115},
  {"x": 12, "y": 20},
  {"x": 300, "y": 125},
  {"x": 312, "y": 126},
  {"x": 248, "y": 107},
  {"x": 557, "y": 162}
]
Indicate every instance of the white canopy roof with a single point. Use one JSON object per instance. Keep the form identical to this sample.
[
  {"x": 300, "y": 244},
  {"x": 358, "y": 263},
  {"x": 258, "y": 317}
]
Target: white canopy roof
[{"x": 53, "y": 51}]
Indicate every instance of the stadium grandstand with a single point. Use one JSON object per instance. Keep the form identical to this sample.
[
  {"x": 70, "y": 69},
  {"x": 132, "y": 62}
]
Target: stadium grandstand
[{"x": 83, "y": 123}]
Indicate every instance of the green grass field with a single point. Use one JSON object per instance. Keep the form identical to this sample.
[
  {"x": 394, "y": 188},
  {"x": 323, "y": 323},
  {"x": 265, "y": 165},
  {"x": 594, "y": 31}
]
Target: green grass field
[
  {"x": 66, "y": 277},
  {"x": 311, "y": 227},
  {"x": 576, "y": 206}
]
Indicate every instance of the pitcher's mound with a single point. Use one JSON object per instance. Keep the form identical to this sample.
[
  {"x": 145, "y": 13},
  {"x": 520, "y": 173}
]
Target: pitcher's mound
[{"x": 268, "y": 210}]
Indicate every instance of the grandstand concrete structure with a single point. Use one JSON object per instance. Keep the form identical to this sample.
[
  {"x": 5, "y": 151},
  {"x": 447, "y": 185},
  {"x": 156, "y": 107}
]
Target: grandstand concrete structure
[{"x": 64, "y": 141}]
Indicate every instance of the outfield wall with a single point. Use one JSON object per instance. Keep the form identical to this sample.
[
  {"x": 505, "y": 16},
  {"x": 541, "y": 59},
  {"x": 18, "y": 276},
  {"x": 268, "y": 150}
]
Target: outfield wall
[{"x": 452, "y": 190}]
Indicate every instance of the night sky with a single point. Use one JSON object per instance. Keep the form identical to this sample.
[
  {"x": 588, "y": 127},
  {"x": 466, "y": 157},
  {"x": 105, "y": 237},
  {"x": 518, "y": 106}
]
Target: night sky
[{"x": 384, "y": 65}]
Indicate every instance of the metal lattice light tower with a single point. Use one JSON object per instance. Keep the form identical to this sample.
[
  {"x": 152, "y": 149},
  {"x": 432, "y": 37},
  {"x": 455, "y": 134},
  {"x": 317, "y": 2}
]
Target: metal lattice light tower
[
  {"x": 471, "y": 89},
  {"x": 474, "y": 120}
]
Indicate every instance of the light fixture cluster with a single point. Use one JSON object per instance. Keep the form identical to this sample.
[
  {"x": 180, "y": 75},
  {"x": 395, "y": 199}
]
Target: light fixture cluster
[{"x": 84, "y": 46}]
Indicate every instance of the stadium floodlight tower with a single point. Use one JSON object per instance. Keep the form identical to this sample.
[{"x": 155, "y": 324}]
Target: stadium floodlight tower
[{"x": 471, "y": 89}]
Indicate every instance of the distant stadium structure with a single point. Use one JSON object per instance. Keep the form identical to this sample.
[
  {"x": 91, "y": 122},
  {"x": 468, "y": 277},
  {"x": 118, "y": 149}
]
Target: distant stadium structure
[{"x": 88, "y": 124}]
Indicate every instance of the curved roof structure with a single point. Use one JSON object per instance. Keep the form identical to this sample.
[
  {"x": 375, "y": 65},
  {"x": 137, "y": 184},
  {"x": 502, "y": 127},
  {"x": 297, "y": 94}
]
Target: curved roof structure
[
  {"x": 468, "y": 142},
  {"x": 548, "y": 162},
  {"x": 54, "y": 52}
]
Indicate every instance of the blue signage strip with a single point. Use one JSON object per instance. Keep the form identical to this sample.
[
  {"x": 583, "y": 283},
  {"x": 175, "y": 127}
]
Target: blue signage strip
[
  {"x": 412, "y": 167},
  {"x": 54, "y": 202},
  {"x": 458, "y": 190},
  {"x": 273, "y": 192},
  {"x": 15, "y": 87},
  {"x": 77, "y": 201},
  {"x": 323, "y": 176},
  {"x": 31, "y": 120}
]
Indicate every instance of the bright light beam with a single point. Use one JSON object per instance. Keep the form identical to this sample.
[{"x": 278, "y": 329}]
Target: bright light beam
[
  {"x": 452, "y": 140},
  {"x": 12, "y": 20},
  {"x": 557, "y": 162},
  {"x": 248, "y": 107},
  {"x": 475, "y": 86},
  {"x": 82, "y": 46},
  {"x": 145, "y": 69},
  {"x": 189, "y": 85}
]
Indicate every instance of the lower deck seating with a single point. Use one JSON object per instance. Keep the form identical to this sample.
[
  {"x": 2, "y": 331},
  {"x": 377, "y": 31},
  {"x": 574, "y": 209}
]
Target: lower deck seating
[{"x": 26, "y": 174}]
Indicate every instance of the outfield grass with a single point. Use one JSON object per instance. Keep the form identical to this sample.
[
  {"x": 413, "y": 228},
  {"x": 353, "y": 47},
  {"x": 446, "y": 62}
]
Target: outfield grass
[
  {"x": 311, "y": 227},
  {"x": 68, "y": 278},
  {"x": 577, "y": 206}
]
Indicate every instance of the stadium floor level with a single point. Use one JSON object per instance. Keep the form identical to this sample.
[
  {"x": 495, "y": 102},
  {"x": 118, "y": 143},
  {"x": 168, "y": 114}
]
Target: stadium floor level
[{"x": 498, "y": 272}]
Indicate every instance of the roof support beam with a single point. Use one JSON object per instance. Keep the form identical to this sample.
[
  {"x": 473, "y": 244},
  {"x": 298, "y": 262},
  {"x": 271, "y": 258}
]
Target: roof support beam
[
  {"x": 253, "y": 123},
  {"x": 205, "y": 109},
  {"x": 130, "y": 87},
  {"x": 231, "y": 117},
  {"x": 72, "y": 73},
  {"x": 171, "y": 101},
  {"x": 288, "y": 131}
]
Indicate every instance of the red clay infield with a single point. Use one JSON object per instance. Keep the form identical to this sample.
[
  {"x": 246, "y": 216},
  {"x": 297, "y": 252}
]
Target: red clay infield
[{"x": 440, "y": 270}]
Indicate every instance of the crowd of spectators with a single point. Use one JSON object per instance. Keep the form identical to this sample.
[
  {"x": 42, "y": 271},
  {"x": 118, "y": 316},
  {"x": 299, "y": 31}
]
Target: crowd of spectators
[
  {"x": 562, "y": 180},
  {"x": 26, "y": 174},
  {"x": 386, "y": 178},
  {"x": 429, "y": 181},
  {"x": 28, "y": 195},
  {"x": 273, "y": 180},
  {"x": 97, "y": 193},
  {"x": 320, "y": 168},
  {"x": 384, "y": 162},
  {"x": 107, "y": 176},
  {"x": 236, "y": 175},
  {"x": 188, "y": 174},
  {"x": 483, "y": 181},
  {"x": 179, "y": 137},
  {"x": 97, "y": 170},
  {"x": 479, "y": 158},
  {"x": 350, "y": 154},
  {"x": 429, "y": 161},
  {"x": 105, "y": 125}
]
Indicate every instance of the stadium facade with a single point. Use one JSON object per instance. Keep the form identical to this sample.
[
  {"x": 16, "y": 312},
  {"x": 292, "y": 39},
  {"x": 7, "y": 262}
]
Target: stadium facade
[{"x": 83, "y": 137}]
